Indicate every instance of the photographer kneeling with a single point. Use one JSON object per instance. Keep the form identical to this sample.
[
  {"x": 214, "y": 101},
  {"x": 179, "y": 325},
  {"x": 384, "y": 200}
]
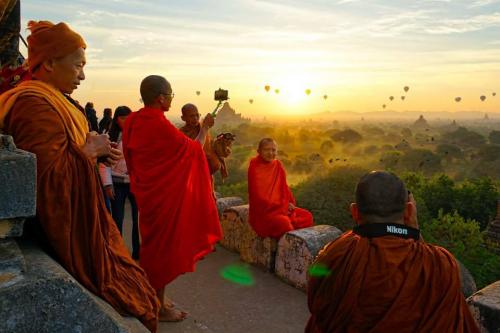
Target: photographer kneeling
[{"x": 381, "y": 276}]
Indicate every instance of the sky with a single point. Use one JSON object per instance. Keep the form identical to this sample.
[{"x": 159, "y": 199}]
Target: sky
[{"x": 358, "y": 53}]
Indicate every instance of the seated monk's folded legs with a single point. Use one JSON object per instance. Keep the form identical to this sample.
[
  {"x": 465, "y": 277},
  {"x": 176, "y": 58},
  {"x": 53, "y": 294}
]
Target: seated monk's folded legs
[
  {"x": 280, "y": 224},
  {"x": 301, "y": 218}
]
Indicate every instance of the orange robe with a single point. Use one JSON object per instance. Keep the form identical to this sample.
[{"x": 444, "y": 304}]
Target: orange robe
[
  {"x": 71, "y": 208},
  {"x": 269, "y": 197},
  {"x": 386, "y": 284},
  {"x": 169, "y": 177}
]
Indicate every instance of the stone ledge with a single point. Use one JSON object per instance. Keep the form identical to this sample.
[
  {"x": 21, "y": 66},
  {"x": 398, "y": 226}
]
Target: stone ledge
[
  {"x": 48, "y": 299},
  {"x": 11, "y": 258},
  {"x": 228, "y": 202},
  {"x": 11, "y": 227},
  {"x": 18, "y": 179},
  {"x": 240, "y": 237},
  {"x": 297, "y": 250},
  {"x": 485, "y": 307}
]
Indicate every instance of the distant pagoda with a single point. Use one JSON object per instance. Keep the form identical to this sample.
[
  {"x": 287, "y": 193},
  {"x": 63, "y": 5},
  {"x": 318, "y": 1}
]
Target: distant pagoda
[
  {"x": 227, "y": 115},
  {"x": 421, "y": 123}
]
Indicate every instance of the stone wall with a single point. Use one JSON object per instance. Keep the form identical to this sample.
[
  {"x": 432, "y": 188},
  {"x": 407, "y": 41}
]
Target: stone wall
[{"x": 289, "y": 258}]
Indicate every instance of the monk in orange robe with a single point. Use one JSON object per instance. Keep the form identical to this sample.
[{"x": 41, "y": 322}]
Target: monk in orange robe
[
  {"x": 272, "y": 205},
  {"x": 170, "y": 179},
  {"x": 192, "y": 129},
  {"x": 382, "y": 277},
  {"x": 70, "y": 204}
]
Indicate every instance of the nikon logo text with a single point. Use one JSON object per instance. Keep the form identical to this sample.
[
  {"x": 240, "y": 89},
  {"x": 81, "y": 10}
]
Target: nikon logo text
[{"x": 395, "y": 230}]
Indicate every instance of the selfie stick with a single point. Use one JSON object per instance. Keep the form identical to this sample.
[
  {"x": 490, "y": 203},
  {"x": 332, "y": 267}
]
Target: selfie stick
[{"x": 214, "y": 112}]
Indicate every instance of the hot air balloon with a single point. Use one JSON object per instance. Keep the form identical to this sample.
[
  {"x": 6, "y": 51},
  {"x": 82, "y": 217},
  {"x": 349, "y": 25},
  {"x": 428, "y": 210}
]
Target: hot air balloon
[
  {"x": 391, "y": 97},
  {"x": 308, "y": 92},
  {"x": 482, "y": 98},
  {"x": 458, "y": 99},
  {"x": 384, "y": 106},
  {"x": 250, "y": 101},
  {"x": 493, "y": 94},
  {"x": 406, "y": 88},
  {"x": 267, "y": 88},
  {"x": 277, "y": 91},
  {"x": 325, "y": 96},
  {"x": 198, "y": 92},
  {"x": 403, "y": 98}
]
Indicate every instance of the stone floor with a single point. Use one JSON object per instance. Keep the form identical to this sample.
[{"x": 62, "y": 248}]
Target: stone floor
[{"x": 219, "y": 305}]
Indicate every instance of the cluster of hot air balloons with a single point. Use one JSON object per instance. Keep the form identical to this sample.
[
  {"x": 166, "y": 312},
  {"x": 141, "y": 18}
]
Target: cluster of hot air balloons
[
  {"x": 482, "y": 97},
  {"x": 403, "y": 97}
]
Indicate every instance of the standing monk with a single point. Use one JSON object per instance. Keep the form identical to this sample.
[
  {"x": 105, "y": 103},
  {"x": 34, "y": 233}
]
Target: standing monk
[
  {"x": 70, "y": 204},
  {"x": 382, "y": 277},
  {"x": 272, "y": 205},
  {"x": 169, "y": 177},
  {"x": 192, "y": 129}
]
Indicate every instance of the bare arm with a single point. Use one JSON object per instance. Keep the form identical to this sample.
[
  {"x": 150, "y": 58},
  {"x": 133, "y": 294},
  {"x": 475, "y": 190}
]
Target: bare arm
[{"x": 207, "y": 123}]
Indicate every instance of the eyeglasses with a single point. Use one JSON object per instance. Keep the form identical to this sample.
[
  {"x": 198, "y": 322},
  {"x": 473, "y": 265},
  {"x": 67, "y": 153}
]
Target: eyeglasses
[{"x": 168, "y": 95}]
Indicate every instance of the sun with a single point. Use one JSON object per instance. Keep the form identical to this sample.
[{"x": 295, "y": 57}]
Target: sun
[{"x": 292, "y": 91}]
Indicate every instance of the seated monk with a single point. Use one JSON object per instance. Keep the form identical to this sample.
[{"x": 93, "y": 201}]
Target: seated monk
[
  {"x": 272, "y": 205},
  {"x": 70, "y": 206},
  {"x": 382, "y": 276}
]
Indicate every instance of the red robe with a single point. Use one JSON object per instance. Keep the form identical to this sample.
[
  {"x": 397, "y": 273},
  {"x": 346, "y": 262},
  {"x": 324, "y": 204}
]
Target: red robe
[
  {"x": 386, "y": 284},
  {"x": 269, "y": 197},
  {"x": 169, "y": 177}
]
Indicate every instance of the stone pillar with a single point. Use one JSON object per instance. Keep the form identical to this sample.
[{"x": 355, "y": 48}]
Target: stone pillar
[
  {"x": 485, "y": 307},
  {"x": 297, "y": 250},
  {"x": 17, "y": 202},
  {"x": 240, "y": 237},
  {"x": 10, "y": 26}
]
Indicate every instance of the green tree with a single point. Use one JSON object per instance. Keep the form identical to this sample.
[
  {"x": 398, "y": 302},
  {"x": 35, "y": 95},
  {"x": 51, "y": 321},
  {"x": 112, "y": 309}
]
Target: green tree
[
  {"x": 347, "y": 136},
  {"x": 463, "y": 238},
  {"x": 494, "y": 137},
  {"x": 328, "y": 196}
]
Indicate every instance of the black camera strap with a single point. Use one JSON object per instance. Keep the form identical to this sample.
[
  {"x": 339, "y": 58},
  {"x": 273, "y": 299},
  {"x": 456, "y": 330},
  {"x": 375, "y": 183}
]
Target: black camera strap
[{"x": 373, "y": 230}]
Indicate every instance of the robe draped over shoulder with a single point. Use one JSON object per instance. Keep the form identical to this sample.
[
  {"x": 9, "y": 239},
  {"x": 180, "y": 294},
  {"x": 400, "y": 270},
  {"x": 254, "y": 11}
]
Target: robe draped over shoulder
[
  {"x": 70, "y": 203},
  {"x": 269, "y": 197},
  {"x": 386, "y": 284},
  {"x": 170, "y": 179}
]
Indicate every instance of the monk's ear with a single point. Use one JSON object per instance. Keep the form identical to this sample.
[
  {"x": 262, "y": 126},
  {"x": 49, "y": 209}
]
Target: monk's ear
[
  {"x": 48, "y": 65},
  {"x": 410, "y": 214},
  {"x": 355, "y": 213}
]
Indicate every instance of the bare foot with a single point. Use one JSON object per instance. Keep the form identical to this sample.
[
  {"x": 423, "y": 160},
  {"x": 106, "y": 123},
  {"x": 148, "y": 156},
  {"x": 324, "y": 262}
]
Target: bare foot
[
  {"x": 172, "y": 315},
  {"x": 167, "y": 302}
]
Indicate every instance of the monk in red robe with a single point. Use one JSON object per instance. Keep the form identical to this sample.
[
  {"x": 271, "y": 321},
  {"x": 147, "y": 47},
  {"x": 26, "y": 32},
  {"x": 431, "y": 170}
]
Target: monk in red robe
[
  {"x": 40, "y": 116},
  {"x": 382, "y": 277},
  {"x": 169, "y": 177},
  {"x": 272, "y": 205}
]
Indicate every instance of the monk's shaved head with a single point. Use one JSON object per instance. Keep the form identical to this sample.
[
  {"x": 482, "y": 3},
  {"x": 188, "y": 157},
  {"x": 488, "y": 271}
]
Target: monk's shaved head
[
  {"x": 152, "y": 86},
  {"x": 265, "y": 141},
  {"x": 188, "y": 107},
  {"x": 381, "y": 194}
]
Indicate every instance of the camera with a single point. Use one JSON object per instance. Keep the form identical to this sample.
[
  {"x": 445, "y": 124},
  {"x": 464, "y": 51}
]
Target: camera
[{"x": 221, "y": 95}]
